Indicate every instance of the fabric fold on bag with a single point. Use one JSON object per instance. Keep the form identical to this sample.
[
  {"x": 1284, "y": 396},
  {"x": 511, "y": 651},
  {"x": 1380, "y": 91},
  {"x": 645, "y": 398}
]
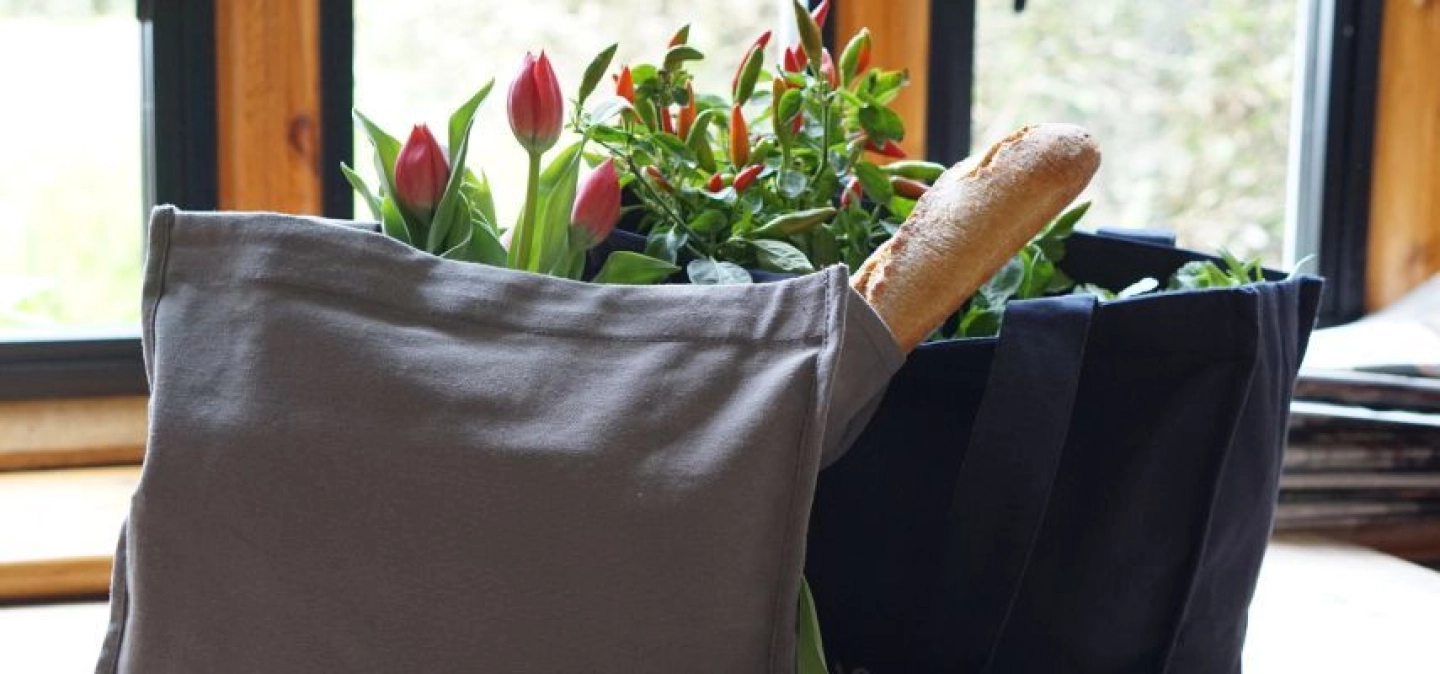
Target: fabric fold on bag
[{"x": 365, "y": 458}]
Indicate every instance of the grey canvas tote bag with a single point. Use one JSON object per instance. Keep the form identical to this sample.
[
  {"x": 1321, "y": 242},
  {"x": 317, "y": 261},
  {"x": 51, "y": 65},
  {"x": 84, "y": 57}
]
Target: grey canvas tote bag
[{"x": 363, "y": 458}]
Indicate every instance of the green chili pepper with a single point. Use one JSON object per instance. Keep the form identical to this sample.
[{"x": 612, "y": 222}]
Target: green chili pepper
[{"x": 797, "y": 222}]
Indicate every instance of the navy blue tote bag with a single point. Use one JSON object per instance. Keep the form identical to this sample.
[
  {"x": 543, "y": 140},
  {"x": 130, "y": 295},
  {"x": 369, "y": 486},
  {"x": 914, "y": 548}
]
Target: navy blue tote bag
[{"x": 1092, "y": 491}]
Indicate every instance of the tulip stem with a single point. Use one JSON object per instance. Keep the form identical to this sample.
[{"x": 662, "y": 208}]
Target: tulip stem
[{"x": 524, "y": 239}]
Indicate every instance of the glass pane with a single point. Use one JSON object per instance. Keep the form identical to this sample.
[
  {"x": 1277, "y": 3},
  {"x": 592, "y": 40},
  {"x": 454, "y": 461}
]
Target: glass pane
[
  {"x": 70, "y": 185},
  {"x": 416, "y": 62},
  {"x": 1190, "y": 102}
]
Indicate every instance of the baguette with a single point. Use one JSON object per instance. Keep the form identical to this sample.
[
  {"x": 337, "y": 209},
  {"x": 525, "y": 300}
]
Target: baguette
[{"x": 975, "y": 217}]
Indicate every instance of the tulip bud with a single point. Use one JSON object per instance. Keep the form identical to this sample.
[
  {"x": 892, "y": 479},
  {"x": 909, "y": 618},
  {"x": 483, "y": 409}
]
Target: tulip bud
[
  {"x": 889, "y": 149},
  {"x": 597, "y": 203},
  {"x": 625, "y": 85},
  {"x": 421, "y": 172},
  {"x": 536, "y": 106},
  {"x": 908, "y": 188},
  {"x": 821, "y": 13},
  {"x": 827, "y": 69},
  {"x": 739, "y": 138},
  {"x": 852, "y": 193},
  {"x": 744, "y": 178},
  {"x": 688, "y": 113}
]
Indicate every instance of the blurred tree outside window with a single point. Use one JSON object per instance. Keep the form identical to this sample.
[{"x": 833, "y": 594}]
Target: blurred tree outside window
[
  {"x": 70, "y": 185},
  {"x": 1189, "y": 99}
]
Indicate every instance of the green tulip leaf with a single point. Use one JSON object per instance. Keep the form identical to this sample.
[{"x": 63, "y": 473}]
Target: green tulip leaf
[
  {"x": 462, "y": 119},
  {"x": 482, "y": 201},
  {"x": 628, "y": 268},
  {"x": 558, "y": 183},
  {"x": 447, "y": 215},
  {"x": 810, "y": 649},
  {"x": 371, "y": 199},
  {"x": 393, "y": 223}
]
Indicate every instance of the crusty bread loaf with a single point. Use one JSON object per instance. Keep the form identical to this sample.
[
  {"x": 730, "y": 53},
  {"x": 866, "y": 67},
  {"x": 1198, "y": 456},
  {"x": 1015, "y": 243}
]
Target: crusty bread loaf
[{"x": 976, "y": 216}]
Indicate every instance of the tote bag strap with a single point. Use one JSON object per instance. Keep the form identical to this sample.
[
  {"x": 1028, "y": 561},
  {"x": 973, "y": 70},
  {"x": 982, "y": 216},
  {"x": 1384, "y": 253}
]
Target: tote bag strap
[{"x": 1004, "y": 484}]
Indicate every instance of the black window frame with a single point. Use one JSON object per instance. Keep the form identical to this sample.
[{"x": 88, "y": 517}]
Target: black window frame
[{"x": 179, "y": 150}]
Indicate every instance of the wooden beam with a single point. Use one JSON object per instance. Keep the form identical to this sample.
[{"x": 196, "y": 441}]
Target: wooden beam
[
  {"x": 65, "y": 433},
  {"x": 64, "y": 544},
  {"x": 1404, "y": 238},
  {"x": 901, "y": 33},
  {"x": 268, "y": 105}
]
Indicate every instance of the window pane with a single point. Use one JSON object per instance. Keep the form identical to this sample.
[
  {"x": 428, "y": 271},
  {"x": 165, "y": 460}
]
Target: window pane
[
  {"x": 416, "y": 62},
  {"x": 70, "y": 185},
  {"x": 1190, "y": 102}
]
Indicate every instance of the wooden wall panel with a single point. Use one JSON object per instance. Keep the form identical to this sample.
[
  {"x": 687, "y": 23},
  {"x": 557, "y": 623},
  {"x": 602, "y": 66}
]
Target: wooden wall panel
[
  {"x": 1404, "y": 243},
  {"x": 268, "y": 102},
  {"x": 901, "y": 30}
]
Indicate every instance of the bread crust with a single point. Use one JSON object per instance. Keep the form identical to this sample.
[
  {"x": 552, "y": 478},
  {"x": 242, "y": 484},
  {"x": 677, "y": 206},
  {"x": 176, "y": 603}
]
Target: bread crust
[{"x": 975, "y": 217}]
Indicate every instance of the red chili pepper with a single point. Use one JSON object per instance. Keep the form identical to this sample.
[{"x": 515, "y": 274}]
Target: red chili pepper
[
  {"x": 716, "y": 183},
  {"x": 795, "y": 59},
  {"x": 739, "y": 138},
  {"x": 666, "y": 123},
  {"x": 658, "y": 179},
  {"x": 889, "y": 149},
  {"x": 745, "y": 178},
  {"x": 908, "y": 188},
  {"x": 852, "y": 193},
  {"x": 797, "y": 124},
  {"x": 828, "y": 71},
  {"x": 821, "y": 13},
  {"x": 625, "y": 85},
  {"x": 688, "y": 113},
  {"x": 759, "y": 45}
]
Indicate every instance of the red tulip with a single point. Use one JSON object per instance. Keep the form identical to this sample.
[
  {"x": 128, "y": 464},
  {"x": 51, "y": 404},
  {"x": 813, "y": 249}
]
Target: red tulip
[
  {"x": 821, "y": 13},
  {"x": 744, "y": 178},
  {"x": 536, "y": 106},
  {"x": 597, "y": 203},
  {"x": 625, "y": 85},
  {"x": 421, "y": 171},
  {"x": 688, "y": 113},
  {"x": 739, "y": 138},
  {"x": 889, "y": 149}
]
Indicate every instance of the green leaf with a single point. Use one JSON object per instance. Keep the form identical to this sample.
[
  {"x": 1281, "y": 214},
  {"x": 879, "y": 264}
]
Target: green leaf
[
  {"x": 605, "y": 109},
  {"x": 665, "y": 244},
  {"x": 447, "y": 214},
  {"x": 477, "y": 192},
  {"x": 625, "y": 267},
  {"x": 392, "y": 222},
  {"x": 678, "y": 55},
  {"x": 462, "y": 119},
  {"x": 778, "y": 256},
  {"x": 881, "y": 123},
  {"x": 1092, "y": 289},
  {"x": 876, "y": 185},
  {"x": 485, "y": 246},
  {"x": 1064, "y": 224},
  {"x": 595, "y": 71},
  {"x": 810, "y": 650},
  {"x": 1038, "y": 272},
  {"x": 1005, "y": 284},
  {"x": 708, "y": 222},
  {"x": 791, "y": 183},
  {"x": 708, "y": 271},
  {"x": 360, "y": 186},
  {"x": 386, "y": 150}
]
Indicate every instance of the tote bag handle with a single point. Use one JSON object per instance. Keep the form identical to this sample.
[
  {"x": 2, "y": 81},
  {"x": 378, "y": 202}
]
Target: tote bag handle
[{"x": 1004, "y": 484}]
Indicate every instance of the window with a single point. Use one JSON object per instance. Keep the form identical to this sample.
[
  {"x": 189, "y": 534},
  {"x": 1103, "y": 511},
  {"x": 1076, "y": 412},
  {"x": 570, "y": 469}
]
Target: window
[{"x": 71, "y": 183}]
